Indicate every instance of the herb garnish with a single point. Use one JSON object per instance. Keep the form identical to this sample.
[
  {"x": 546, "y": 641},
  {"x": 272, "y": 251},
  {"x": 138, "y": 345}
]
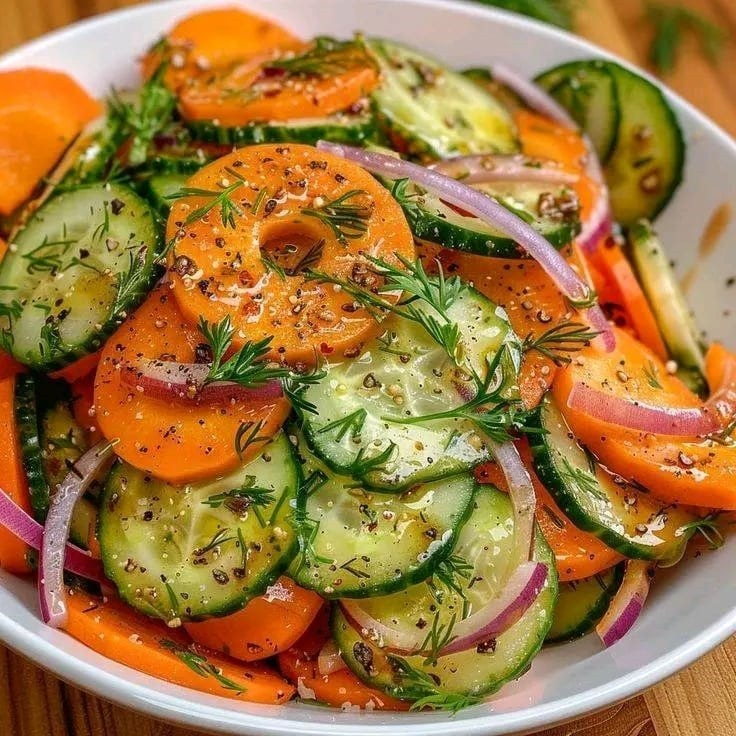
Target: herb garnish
[
  {"x": 217, "y": 199},
  {"x": 652, "y": 374},
  {"x": 708, "y": 528},
  {"x": 326, "y": 58},
  {"x": 248, "y": 434},
  {"x": 239, "y": 500},
  {"x": 347, "y": 221},
  {"x": 556, "y": 342},
  {"x": 352, "y": 423},
  {"x": 201, "y": 665}
]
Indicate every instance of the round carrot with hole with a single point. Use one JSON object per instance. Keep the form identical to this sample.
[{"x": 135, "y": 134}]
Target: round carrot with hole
[
  {"x": 215, "y": 39},
  {"x": 578, "y": 555},
  {"x": 268, "y": 89},
  {"x": 252, "y": 227},
  {"x": 681, "y": 470},
  {"x": 268, "y": 625},
  {"x": 118, "y": 632},
  {"x": 177, "y": 442},
  {"x": 299, "y": 666},
  {"x": 13, "y": 552},
  {"x": 41, "y": 112}
]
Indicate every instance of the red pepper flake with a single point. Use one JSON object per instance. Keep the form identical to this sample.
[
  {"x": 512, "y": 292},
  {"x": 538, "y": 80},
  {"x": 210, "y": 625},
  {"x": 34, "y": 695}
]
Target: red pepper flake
[{"x": 325, "y": 349}]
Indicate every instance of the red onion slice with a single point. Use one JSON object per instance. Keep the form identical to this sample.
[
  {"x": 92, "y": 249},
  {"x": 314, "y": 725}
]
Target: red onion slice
[
  {"x": 329, "y": 659},
  {"x": 51, "y": 590},
  {"x": 523, "y": 500},
  {"x": 627, "y": 604},
  {"x": 482, "y": 168},
  {"x": 169, "y": 380},
  {"x": 502, "y": 612},
  {"x": 599, "y": 221},
  {"x": 667, "y": 420},
  {"x": 489, "y": 211},
  {"x": 499, "y": 614},
  {"x": 28, "y": 530}
]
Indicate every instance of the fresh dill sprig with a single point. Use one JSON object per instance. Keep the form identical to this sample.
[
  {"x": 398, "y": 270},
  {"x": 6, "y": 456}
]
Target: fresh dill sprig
[
  {"x": 132, "y": 282},
  {"x": 295, "y": 385},
  {"x": 199, "y": 664},
  {"x": 347, "y": 221},
  {"x": 352, "y": 423},
  {"x": 142, "y": 120},
  {"x": 557, "y": 342},
  {"x": 583, "y": 480},
  {"x": 670, "y": 23},
  {"x": 326, "y": 58},
  {"x": 425, "y": 691},
  {"x": 239, "y": 500},
  {"x": 709, "y": 530},
  {"x": 652, "y": 375},
  {"x": 217, "y": 199},
  {"x": 249, "y": 434},
  {"x": 452, "y": 571},
  {"x": 362, "y": 465},
  {"x": 50, "y": 339},
  {"x": 437, "y": 638},
  {"x": 218, "y": 539}
]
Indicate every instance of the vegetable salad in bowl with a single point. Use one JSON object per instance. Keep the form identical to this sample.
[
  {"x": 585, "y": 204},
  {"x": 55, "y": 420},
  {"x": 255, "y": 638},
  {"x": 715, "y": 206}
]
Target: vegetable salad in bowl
[{"x": 330, "y": 372}]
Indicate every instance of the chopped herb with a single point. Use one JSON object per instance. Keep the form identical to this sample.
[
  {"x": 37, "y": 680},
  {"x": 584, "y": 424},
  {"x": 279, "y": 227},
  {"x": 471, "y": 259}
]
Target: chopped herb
[
  {"x": 352, "y": 423},
  {"x": 217, "y": 199},
  {"x": 326, "y": 58},
  {"x": 708, "y": 528},
  {"x": 347, "y": 221},
  {"x": 652, "y": 373},
  {"x": 362, "y": 465},
  {"x": 201, "y": 665},
  {"x": 240, "y": 500},
  {"x": 583, "y": 480},
  {"x": 438, "y": 637},
  {"x": 556, "y": 342},
  {"x": 219, "y": 539},
  {"x": 247, "y": 435}
]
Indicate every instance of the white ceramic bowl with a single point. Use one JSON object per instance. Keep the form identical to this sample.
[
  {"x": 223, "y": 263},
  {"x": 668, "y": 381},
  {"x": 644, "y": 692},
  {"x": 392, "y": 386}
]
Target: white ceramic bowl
[{"x": 690, "y": 611}]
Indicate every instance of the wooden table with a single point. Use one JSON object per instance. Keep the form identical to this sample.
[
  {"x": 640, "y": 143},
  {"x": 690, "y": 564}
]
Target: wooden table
[{"x": 700, "y": 701}]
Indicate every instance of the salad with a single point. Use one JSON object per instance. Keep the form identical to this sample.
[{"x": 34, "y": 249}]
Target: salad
[{"x": 330, "y": 372}]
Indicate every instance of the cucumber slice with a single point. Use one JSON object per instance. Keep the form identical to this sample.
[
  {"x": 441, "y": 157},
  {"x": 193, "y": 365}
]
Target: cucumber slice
[
  {"x": 588, "y": 91},
  {"x": 160, "y": 187},
  {"x": 433, "y": 220},
  {"x": 184, "y": 164},
  {"x": 202, "y": 550},
  {"x": 647, "y": 164},
  {"x": 484, "y": 78},
  {"x": 671, "y": 310},
  {"x": 485, "y": 543},
  {"x": 627, "y": 520},
  {"x": 355, "y": 543},
  {"x": 342, "y": 128},
  {"x": 436, "y": 111},
  {"x": 82, "y": 262},
  {"x": 51, "y": 442},
  {"x": 582, "y": 604},
  {"x": 405, "y": 373}
]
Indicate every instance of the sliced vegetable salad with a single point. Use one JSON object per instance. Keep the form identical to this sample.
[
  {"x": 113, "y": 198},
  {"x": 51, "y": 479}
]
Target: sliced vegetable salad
[{"x": 330, "y": 372}]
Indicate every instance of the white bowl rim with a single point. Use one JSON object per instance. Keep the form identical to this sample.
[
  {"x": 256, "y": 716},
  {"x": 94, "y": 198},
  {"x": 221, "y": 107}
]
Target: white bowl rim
[{"x": 174, "y": 708}]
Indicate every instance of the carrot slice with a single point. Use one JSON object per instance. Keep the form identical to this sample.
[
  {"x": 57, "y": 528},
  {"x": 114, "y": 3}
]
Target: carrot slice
[
  {"x": 217, "y": 261},
  {"x": 214, "y": 39},
  {"x": 531, "y": 300},
  {"x": 626, "y": 291},
  {"x": 41, "y": 112},
  {"x": 77, "y": 370},
  {"x": 578, "y": 554},
  {"x": 341, "y": 689},
  {"x": 83, "y": 404},
  {"x": 125, "y": 636},
  {"x": 251, "y": 92},
  {"x": 543, "y": 138},
  {"x": 720, "y": 367},
  {"x": 13, "y": 552},
  {"x": 683, "y": 470},
  {"x": 175, "y": 442},
  {"x": 266, "y": 626}
]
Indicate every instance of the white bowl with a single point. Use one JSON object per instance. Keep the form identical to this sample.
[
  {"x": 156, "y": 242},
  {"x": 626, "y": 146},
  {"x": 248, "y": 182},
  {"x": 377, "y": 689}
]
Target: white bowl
[{"x": 690, "y": 612}]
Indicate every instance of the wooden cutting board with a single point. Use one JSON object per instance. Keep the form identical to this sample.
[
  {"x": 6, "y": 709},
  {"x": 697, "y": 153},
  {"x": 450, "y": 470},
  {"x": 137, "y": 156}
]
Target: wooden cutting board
[{"x": 698, "y": 702}]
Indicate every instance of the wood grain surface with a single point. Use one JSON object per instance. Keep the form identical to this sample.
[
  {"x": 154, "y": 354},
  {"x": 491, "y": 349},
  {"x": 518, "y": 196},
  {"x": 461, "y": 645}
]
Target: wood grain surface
[{"x": 700, "y": 701}]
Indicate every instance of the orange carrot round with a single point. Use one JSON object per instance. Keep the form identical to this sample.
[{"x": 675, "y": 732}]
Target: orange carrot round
[
  {"x": 41, "y": 111},
  {"x": 339, "y": 689},
  {"x": 77, "y": 370},
  {"x": 215, "y": 39},
  {"x": 83, "y": 404},
  {"x": 13, "y": 552},
  {"x": 578, "y": 555},
  {"x": 175, "y": 442},
  {"x": 268, "y": 625},
  {"x": 125, "y": 636},
  {"x": 262, "y": 96},
  {"x": 681, "y": 470},
  {"x": 248, "y": 260}
]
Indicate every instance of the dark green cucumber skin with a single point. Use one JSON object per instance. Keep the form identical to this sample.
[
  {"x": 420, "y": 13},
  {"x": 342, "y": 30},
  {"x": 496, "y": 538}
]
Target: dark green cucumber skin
[
  {"x": 567, "y": 502},
  {"x": 95, "y": 341},
  {"x": 26, "y": 419},
  {"x": 246, "y": 135},
  {"x": 429, "y": 227},
  {"x": 588, "y": 618},
  {"x": 555, "y": 80},
  {"x": 152, "y": 192}
]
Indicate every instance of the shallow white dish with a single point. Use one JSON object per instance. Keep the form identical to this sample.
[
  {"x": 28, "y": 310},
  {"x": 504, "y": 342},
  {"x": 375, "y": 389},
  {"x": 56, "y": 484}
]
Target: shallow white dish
[{"x": 691, "y": 610}]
